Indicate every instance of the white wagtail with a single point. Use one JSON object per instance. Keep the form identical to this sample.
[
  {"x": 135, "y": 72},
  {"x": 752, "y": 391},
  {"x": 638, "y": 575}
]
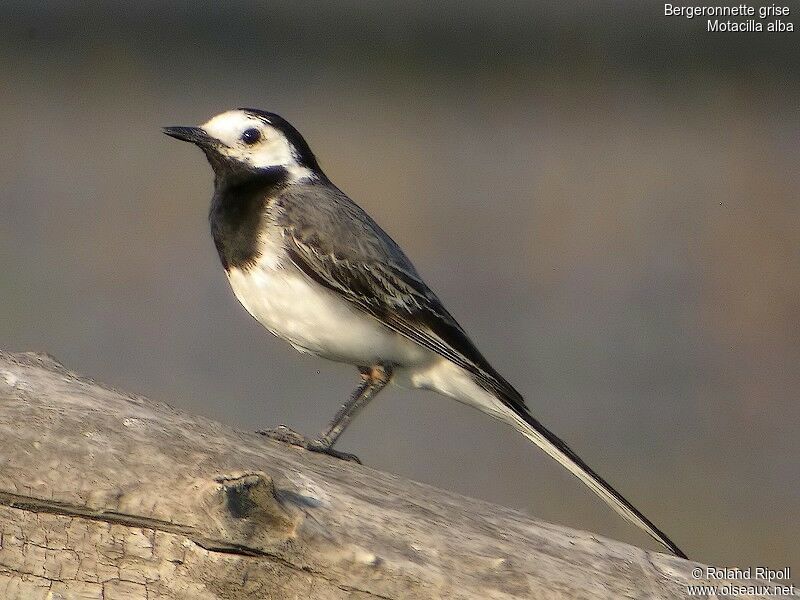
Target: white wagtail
[{"x": 314, "y": 269}]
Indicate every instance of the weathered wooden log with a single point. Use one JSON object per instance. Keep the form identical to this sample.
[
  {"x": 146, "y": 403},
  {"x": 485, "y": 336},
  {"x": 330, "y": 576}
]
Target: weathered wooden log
[{"x": 111, "y": 496}]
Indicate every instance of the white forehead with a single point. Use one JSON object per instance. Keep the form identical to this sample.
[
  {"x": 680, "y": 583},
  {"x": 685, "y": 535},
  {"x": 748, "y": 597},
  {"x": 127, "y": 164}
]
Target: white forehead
[{"x": 228, "y": 126}]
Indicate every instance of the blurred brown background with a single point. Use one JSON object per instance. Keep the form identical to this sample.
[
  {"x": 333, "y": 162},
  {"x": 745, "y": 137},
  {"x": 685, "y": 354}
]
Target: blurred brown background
[{"x": 606, "y": 198}]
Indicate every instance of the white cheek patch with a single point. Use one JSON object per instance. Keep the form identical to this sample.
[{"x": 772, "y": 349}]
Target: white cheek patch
[{"x": 274, "y": 150}]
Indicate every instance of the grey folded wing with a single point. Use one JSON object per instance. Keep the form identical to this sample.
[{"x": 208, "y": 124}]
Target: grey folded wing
[{"x": 333, "y": 241}]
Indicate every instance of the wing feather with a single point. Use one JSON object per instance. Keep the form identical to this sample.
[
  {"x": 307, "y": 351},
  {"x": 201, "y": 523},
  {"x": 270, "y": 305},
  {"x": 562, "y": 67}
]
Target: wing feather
[{"x": 337, "y": 244}]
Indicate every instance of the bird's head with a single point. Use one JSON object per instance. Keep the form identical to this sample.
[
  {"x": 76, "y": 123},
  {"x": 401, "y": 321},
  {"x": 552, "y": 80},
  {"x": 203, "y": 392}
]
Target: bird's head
[{"x": 250, "y": 140}]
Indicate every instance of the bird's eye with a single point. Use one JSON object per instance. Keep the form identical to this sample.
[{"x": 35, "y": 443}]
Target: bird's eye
[{"x": 251, "y": 136}]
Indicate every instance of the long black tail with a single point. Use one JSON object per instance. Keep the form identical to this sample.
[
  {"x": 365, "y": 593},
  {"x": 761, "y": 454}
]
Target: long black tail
[{"x": 554, "y": 446}]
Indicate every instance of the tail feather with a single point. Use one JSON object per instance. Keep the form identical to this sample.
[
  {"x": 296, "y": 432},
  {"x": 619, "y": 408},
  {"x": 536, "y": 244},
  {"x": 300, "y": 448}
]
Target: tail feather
[{"x": 557, "y": 449}]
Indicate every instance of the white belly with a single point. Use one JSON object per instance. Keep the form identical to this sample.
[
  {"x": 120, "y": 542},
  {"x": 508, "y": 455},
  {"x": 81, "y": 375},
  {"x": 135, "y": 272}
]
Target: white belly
[{"x": 316, "y": 320}]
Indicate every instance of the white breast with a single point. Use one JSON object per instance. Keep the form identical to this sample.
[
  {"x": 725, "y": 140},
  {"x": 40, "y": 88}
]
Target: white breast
[{"x": 314, "y": 319}]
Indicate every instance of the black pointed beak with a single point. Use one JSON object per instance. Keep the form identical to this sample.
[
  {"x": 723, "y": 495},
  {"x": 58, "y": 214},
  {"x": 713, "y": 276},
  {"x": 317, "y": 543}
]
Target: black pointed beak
[{"x": 195, "y": 135}]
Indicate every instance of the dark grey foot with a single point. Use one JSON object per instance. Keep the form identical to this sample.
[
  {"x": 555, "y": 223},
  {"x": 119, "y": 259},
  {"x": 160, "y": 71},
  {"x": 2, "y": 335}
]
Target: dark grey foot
[{"x": 281, "y": 433}]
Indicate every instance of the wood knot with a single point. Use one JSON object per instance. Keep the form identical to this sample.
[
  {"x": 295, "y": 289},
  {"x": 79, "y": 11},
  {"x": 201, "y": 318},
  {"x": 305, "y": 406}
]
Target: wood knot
[{"x": 251, "y": 497}]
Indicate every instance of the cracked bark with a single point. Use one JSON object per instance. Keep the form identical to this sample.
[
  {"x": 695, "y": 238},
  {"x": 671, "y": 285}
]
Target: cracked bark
[{"x": 107, "y": 495}]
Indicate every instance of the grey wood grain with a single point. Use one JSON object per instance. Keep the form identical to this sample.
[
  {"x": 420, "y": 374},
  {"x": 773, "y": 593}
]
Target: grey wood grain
[{"x": 110, "y": 495}]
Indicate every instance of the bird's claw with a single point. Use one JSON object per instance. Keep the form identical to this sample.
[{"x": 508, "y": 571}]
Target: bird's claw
[
  {"x": 318, "y": 446},
  {"x": 284, "y": 434}
]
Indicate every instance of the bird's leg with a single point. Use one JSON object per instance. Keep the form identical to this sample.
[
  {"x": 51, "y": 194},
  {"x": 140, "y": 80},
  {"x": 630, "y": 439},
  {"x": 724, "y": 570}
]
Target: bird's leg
[{"x": 374, "y": 379}]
